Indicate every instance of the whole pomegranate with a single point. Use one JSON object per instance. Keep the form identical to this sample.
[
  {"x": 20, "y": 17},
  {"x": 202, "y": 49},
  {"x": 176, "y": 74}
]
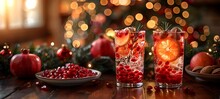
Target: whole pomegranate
[
  {"x": 25, "y": 65},
  {"x": 102, "y": 47},
  {"x": 202, "y": 59}
]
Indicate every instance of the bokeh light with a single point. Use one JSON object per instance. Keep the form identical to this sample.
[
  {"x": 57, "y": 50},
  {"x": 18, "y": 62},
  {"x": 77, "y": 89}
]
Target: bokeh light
[
  {"x": 103, "y": 2},
  {"x": 157, "y": 6},
  {"x": 194, "y": 44},
  {"x": 202, "y": 37},
  {"x": 124, "y": 2},
  {"x": 170, "y": 2},
  {"x": 84, "y": 27},
  {"x": 76, "y": 43},
  {"x": 185, "y": 14},
  {"x": 168, "y": 15},
  {"x": 184, "y": 5},
  {"x": 151, "y": 24},
  {"x": 74, "y": 5},
  {"x": 206, "y": 30},
  {"x": 190, "y": 29},
  {"x": 176, "y": 10},
  {"x": 149, "y": 5},
  {"x": 216, "y": 38},
  {"x": 68, "y": 34},
  {"x": 128, "y": 20},
  {"x": 107, "y": 12},
  {"x": 110, "y": 32},
  {"x": 155, "y": 18},
  {"x": 91, "y": 6},
  {"x": 139, "y": 16}
]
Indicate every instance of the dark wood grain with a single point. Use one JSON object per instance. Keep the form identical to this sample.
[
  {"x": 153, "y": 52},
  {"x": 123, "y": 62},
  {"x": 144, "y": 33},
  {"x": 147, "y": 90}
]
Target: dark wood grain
[{"x": 27, "y": 89}]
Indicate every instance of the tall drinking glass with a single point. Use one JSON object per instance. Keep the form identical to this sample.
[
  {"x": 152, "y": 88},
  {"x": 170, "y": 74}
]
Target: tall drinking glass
[
  {"x": 168, "y": 52},
  {"x": 130, "y": 45}
]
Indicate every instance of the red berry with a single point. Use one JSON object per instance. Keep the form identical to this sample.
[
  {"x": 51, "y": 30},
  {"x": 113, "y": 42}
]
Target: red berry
[
  {"x": 109, "y": 85},
  {"x": 149, "y": 88},
  {"x": 44, "y": 88}
]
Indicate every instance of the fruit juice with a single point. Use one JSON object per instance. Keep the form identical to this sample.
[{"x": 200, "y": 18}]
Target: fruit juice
[
  {"x": 129, "y": 57},
  {"x": 168, "y": 52}
]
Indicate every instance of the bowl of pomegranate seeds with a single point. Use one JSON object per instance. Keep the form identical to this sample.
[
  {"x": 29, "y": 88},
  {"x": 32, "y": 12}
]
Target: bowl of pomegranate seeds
[{"x": 68, "y": 75}]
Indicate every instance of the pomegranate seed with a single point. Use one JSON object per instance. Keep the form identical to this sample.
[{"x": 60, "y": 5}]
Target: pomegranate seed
[
  {"x": 157, "y": 89},
  {"x": 109, "y": 85},
  {"x": 149, "y": 88},
  {"x": 188, "y": 90},
  {"x": 44, "y": 88}
]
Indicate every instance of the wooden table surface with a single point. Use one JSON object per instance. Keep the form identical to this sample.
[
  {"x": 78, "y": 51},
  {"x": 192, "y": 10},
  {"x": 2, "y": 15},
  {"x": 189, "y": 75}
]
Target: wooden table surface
[{"x": 12, "y": 88}]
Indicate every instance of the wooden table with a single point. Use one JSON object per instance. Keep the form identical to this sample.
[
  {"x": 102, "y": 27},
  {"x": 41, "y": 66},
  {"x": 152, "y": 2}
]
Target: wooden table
[{"x": 12, "y": 88}]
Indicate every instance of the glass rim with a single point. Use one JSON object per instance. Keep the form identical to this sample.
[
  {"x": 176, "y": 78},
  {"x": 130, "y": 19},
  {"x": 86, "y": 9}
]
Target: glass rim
[
  {"x": 135, "y": 31},
  {"x": 156, "y": 31}
]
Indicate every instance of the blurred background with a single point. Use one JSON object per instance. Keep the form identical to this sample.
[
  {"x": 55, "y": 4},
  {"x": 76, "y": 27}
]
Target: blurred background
[
  {"x": 87, "y": 28},
  {"x": 66, "y": 21}
]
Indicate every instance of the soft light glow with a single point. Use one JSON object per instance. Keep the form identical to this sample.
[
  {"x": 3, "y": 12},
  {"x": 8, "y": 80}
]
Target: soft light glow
[
  {"x": 216, "y": 38},
  {"x": 194, "y": 44},
  {"x": 139, "y": 16},
  {"x": 81, "y": 23},
  {"x": 30, "y": 4},
  {"x": 183, "y": 22},
  {"x": 186, "y": 35},
  {"x": 89, "y": 65},
  {"x": 210, "y": 50},
  {"x": 176, "y": 10},
  {"x": 168, "y": 15},
  {"x": 76, "y": 43},
  {"x": 178, "y": 19},
  {"x": 91, "y": 6},
  {"x": 10, "y": 3},
  {"x": 124, "y": 2},
  {"x": 103, "y": 2},
  {"x": 115, "y": 2},
  {"x": 202, "y": 37},
  {"x": 110, "y": 33},
  {"x": 167, "y": 10},
  {"x": 206, "y": 30},
  {"x": 150, "y": 53},
  {"x": 170, "y": 2},
  {"x": 52, "y": 44},
  {"x": 151, "y": 24},
  {"x": 68, "y": 34},
  {"x": 185, "y": 14},
  {"x": 84, "y": 27},
  {"x": 68, "y": 26},
  {"x": 155, "y": 18},
  {"x": 128, "y": 20},
  {"x": 157, "y": 6},
  {"x": 74, "y": 5},
  {"x": 149, "y": 5},
  {"x": 108, "y": 12},
  {"x": 184, "y": 5},
  {"x": 190, "y": 29}
]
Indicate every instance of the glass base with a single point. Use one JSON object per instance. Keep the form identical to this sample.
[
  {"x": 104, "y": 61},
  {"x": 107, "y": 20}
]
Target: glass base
[
  {"x": 165, "y": 85},
  {"x": 129, "y": 84}
]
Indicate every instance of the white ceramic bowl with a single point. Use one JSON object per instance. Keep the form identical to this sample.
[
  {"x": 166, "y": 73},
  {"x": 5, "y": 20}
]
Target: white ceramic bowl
[{"x": 68, "y": 82}]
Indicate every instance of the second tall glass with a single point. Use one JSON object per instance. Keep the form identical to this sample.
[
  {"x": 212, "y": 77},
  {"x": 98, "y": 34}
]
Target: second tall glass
[
  {"x": 168, "y": 58},
  {"x": 130, "y": 45}
]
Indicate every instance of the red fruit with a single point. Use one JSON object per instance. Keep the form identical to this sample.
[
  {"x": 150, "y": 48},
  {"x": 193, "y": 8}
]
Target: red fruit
[
  {"x": 6, "y": 52},
  {"x": 64, "y": 53},
  {"x": 201, "y": 59},
  {"x": 25, "y": 65},
  {"x": 102, "y": 47}
]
